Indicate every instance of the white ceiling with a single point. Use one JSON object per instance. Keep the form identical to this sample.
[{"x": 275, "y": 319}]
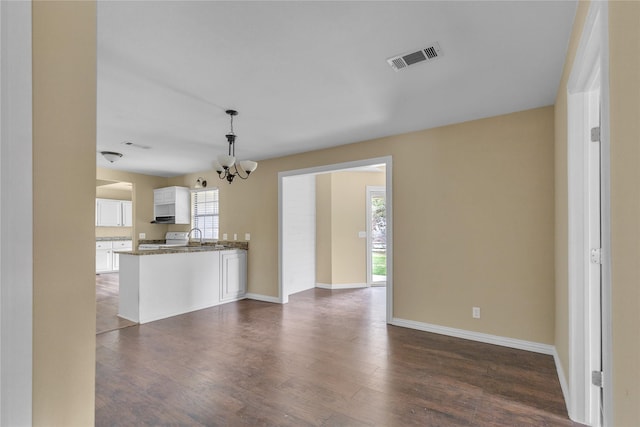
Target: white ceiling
[{"x": 310, "y": 75}]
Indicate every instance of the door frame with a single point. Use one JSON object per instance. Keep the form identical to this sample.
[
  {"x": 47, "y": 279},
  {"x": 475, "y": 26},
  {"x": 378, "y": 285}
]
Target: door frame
[
  {"x": 370, "y": 190},
  {"x": 283, "y": 297},
  {"x": 589, "y": 73}
]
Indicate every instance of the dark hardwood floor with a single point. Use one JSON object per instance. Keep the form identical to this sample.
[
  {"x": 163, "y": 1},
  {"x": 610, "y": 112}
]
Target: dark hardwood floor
[
  {"x": 325, "y": 359},
  {"x": 107, "y": 304}
]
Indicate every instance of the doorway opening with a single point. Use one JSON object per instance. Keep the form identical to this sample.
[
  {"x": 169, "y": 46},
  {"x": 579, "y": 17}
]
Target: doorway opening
[
  {"x": 297, "y": 229},
  {"x": 376, "y": 236},
  {"x": 114, "y": 232}
]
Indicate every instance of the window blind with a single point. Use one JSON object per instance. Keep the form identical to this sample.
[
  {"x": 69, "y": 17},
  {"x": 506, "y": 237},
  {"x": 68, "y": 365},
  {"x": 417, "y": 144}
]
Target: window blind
[{"x": 205, "y": 212}]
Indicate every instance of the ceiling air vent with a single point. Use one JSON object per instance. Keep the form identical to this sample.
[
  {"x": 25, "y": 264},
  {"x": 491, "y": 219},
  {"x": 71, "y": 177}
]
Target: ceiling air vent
[{"x": 426, "y": 54}]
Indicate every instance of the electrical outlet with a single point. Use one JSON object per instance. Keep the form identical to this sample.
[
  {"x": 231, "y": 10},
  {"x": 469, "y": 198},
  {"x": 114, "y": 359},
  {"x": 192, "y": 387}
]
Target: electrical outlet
[
  {"x": 142, "y": 235},
  {"x": 224, "y": 236},
  {"x": 475, "y": 312},
  {"x": 247, "y": 236},
  {"x": 235, "y": 236}
]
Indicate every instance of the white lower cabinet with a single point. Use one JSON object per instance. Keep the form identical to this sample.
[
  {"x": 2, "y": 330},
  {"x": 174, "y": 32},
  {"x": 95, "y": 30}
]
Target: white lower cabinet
[
  {"x": 104, "y": 256},
  {"x": 107, "y": 260},
  {"x": 233, "y": 274}
]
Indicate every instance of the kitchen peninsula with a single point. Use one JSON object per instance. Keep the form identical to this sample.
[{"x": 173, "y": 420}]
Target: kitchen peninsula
[{"x": 160, "y": 283}]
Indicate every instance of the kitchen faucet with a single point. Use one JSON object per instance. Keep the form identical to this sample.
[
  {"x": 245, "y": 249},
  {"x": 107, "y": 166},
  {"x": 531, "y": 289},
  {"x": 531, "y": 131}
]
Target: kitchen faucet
[{"x": 189, "y": 235}]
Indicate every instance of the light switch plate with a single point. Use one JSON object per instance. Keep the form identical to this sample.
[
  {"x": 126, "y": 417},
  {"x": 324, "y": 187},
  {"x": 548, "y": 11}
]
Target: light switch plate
[
  {"x": 224, "y": 236},
  {"x": 235, "y": 236},
  {"x": 475, "y": 312},
  {"x": 362, "y": 234},
  {"x": 247, "y": 236}
]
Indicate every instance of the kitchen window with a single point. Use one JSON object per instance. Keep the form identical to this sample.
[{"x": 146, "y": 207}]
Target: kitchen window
[{"x": 205, "y": 212}]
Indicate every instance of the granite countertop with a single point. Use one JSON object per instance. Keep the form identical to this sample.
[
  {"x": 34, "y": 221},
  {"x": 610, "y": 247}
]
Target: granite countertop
[
  {"x": 108, "y": 239},
  {"x": 205, "y": 247}
]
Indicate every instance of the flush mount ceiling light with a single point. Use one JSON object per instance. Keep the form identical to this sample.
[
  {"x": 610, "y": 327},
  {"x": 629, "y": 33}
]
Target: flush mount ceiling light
[
  {"x": 111, "y": 156},
  {"x": 226, "y": 165}
]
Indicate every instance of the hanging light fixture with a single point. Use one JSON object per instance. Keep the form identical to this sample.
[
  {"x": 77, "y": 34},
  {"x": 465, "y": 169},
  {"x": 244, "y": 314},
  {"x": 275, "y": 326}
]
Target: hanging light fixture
[{"x": 226, "y": 165}]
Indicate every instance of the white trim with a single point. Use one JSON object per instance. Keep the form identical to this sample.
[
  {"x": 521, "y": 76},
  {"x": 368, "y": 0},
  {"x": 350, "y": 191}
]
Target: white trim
[
  {"x": 605, "y": 216},
  {"x": 341, "y": 285},
  {"x": 388, "y": 162},
  {"x": 264, "y": 298},
  {"x": 16, "y": 214},
  {"x": 564, "y": 385},
  {"x": 592, "y": 54},
  {"x": 476, "y": 336}
]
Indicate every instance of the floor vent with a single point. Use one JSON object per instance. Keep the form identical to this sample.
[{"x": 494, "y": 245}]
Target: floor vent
[{"x": 426, "y": 54}]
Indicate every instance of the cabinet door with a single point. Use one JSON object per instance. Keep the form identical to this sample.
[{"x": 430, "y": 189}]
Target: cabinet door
[
  {"x": 115, "y": 262},
  {"x": 164, "y": 195},
  {"x": 109, "y": 213},
  {"x": 104, "y": 257},
  {"x": 234, "y": 274},
  {"x": 120, "y": 245},
  {"x": 127, "y": 214}
]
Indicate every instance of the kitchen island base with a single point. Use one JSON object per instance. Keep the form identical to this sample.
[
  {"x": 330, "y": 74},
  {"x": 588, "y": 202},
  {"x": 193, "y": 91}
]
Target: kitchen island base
[{"x": 157, "y": 286}]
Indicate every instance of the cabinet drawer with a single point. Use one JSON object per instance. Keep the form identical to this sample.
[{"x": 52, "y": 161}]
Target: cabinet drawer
[
  {"x": 104, "y": 245},
  {"x": 122, "y": 244}
]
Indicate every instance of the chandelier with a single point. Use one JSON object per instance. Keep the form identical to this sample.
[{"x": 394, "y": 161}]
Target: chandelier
[{"x": 226, "y": 165}]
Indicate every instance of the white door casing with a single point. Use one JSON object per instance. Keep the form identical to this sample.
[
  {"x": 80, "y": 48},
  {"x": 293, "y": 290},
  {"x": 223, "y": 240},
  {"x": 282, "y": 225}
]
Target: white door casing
[
  {"x": 589, "y": 225},
  {"x": 283, "y": 262}
]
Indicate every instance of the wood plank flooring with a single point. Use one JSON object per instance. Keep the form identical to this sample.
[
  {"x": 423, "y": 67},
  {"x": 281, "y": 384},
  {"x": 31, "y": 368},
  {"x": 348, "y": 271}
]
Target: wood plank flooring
[
  {"x": 107, "y": 304},
  {"x": 327, "y": 358}
]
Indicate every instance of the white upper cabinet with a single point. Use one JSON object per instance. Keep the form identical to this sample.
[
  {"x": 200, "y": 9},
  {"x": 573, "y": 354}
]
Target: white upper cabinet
[
  {"x": 114, "y": 213},
  {"x": 171, "y": 205},
  {"x": 127, "y": 214}
]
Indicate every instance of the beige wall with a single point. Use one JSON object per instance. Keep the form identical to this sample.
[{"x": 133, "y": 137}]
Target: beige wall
[
  {"x": 346, "y": 213},
  {"x": 624, "y": 75},
  {"x": 64, "y": 131},
  {"x": 109, "y": 193},
  {"x": 473, "y": 223},
  {"x": 142, "y": 198}
]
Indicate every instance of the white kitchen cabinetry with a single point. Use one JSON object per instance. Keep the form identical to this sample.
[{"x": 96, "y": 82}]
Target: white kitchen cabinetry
[
  {"x": 104, "y": 257},
  {"x": 157, "y": 286},
  {"x": 171, "y": 205},
  {"x": 114, "y": 213},
  {"x": 127, "y": 213},
  {"x": 233, "y": 277},
  {"x": 107, "y": 260},
  {"x": 108, "y": 213},
  {"x": 120, "y": 245}
]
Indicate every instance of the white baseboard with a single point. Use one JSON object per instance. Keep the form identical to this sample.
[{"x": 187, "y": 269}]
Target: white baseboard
[
  {"x": 265, "y": 298},
  {"x": 476, "y": 336},
  {"x": 564, "y": 385},
  {"x": 341, "y": 285}
]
